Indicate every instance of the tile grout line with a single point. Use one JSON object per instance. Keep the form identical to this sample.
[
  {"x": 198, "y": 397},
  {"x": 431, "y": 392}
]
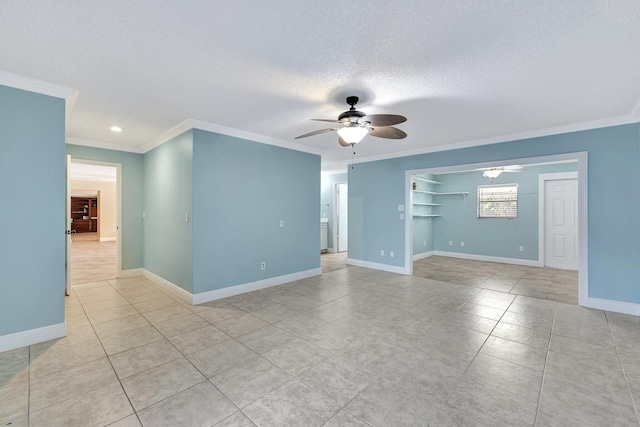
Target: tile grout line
[
  {"x": 544, "y": 371},
  {"x": 624, "y": 372}
]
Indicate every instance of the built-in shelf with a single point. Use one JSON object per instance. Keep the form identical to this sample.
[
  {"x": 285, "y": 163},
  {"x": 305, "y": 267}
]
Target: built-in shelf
[
  {"x": 423, "y": 197},
  {"x": 415, "y": 178}
]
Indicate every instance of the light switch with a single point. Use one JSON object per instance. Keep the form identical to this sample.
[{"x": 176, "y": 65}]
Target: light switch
[
  {"x": 400, "y": 208},
  {"x": 281, "y": 224}
]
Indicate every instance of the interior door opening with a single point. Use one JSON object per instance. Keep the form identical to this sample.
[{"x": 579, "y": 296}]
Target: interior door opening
[
  {"x": 465, "y": 250},
  {"x": 94, "y": 200}
]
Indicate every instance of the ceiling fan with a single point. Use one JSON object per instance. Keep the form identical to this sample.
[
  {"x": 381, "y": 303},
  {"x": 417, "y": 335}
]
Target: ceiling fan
[
  {"x": 354, "y": 125},
  {"x": 495, "y": 172}
]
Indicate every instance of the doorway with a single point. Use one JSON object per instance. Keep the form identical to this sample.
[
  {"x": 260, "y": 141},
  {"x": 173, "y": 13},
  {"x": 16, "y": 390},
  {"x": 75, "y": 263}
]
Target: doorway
[
  {"x": 94, "y": 197},
  {"x": 581, "y": 213},
  {"x": 341, "y": 215}
]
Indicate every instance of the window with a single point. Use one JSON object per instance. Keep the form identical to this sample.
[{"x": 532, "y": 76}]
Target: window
[{"x": 498, "y": 201}]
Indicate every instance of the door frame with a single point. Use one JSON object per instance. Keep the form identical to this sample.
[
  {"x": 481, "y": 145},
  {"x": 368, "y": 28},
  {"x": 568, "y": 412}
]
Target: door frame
[
  {"x": 541, "y": 206},
  {"x": 335, "y": 215},
  {"x": 118, "y": 206},
  {"x": 580, "y": 157}
]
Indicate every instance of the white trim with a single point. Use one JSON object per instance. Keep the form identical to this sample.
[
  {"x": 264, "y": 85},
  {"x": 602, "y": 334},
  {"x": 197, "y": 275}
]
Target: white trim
[
  {"x": 615, "y": 306},
  {"x": 239, "y": 133},
  {"x": 253, "y": 286},
  {"x": 230, "y": 291},
  {"x": 168, "y": 287},
  {"x": 583, "y": 204},
  {"x": 34, "y": 85},
  {"x": 377, "y": 266},
  {"x": 422, "y": 255},
  {"x": 132, "y": 272},
  {"x": 108, "y": 239},
  {"x": 167, "y": 135},
  {"x": 541, "y": 207},
  {"x": 103, "y": 145},
  {"x": 190, "y": 123},
  {"x": 32, "y": 336},
  {"x": 518, "y": 136},
  {"x": 504, "y": 260},
  {"x": 39, "y": 86}
]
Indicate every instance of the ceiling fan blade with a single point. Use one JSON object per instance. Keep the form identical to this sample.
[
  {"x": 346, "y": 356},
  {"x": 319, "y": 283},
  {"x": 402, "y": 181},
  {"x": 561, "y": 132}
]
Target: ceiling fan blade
[
  {"x": 343, "y": 142},
  {"x": 388, "y": 132},
  {"x": 384, "y": 119},
  {"x": 316, "y": 132},
  {"x": 327, "y": 120}
]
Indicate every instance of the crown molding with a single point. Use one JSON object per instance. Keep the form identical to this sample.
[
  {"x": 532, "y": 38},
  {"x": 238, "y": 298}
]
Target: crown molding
[
  {"x": 238, "y": 133},
  {"x": 104, "y": 145},
  {"x": 44, "y": 88},
  {"x": 167, "y": 135},
  {"x": 190, "y": 123},
  {"x": 537, "y": 133}
]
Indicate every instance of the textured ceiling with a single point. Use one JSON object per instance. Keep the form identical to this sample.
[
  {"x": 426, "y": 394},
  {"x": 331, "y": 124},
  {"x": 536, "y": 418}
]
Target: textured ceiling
[{"x": 462, "y": 72}]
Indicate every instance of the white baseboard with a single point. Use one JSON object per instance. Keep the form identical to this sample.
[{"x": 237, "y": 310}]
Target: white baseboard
[
  {"x": 517, "y": 261},
  {"x": 132, "y": 272},
  {"x": 423, "y": 255},
  {"x": 615, "y": 306},
  {"x": 377, "y": 266},
  {"x": 168, "y": 287},
  {"x": 230, "y": 291},
  {"x": 107, "y": 239},
  {"x": 32, "y": 336},
  {"x": 253, "y": 286}
]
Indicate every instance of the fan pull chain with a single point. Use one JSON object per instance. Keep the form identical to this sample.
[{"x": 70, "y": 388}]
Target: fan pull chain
[{"x": 353, "y": 156}]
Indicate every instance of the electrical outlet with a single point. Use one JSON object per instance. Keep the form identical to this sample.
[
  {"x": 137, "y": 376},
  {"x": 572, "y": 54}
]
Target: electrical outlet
[
  {"x": 425, "y": 243},
  {"x": 382, "y": 253},
  {"x": 461, "y": 243},
  {"x": 391, "y": 254},
  {"x": 450, "y": 243},
  {"x": 401, "y": 217},
  {"x": 521, "y": 248},
  {"x": 263, "y": 265}
]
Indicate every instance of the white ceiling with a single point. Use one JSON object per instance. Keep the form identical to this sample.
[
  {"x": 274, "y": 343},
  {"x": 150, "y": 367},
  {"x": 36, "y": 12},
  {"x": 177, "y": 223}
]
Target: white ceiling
[{"x": 462, "y": 72}]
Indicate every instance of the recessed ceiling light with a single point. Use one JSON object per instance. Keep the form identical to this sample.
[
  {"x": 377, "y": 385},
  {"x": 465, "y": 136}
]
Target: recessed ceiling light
[{"x": 116, "y": 129}]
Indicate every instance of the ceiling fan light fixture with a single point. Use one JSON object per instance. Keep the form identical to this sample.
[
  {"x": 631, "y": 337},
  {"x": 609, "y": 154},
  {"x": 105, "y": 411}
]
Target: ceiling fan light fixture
[
  {"x": 352, "y": 134},
  {"x": 492, "y": 173}
]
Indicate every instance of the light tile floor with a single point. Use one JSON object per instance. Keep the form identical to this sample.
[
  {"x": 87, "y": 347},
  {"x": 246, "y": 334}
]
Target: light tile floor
[
  {"x": 353, "y": 347},
  {"x": 92, "y": 260},
  {"x": 545, "y": 283}
]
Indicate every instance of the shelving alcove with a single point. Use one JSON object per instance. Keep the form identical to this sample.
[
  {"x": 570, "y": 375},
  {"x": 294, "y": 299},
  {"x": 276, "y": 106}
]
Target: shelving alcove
[{"x": 424, "y": 198}]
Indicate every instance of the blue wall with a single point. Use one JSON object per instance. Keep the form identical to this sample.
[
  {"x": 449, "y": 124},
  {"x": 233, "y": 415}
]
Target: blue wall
[
  {"x": 167, "y": 203},
  {"x": 376, "y": 188},
  {"x": 497, "y": 237},
  {"x": 241, "y": 192},
  {"x": 32, "y": 191},
  {"x": 132, "y": 197},
  {"x": 328, "y": 182}
]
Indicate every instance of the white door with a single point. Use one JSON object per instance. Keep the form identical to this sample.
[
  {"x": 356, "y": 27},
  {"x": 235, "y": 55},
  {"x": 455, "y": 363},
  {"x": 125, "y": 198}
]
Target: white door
[
  {"x": 561, "y": 224},
  {"x": 67, "y": 290},
  {"x": 342, "y": 216}
]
